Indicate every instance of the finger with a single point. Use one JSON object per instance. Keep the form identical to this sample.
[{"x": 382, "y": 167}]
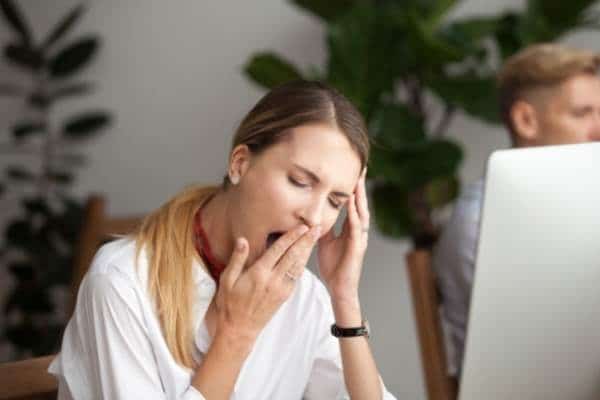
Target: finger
[
  {"x": 362, "y": 203},
  {"x": 354, "y": 224},
  {"x": 328, "y": 237},
  {"x": 236, "y": 263},
  {"x": 270, "y": 257},
  {"x": 294, "y": 260}
]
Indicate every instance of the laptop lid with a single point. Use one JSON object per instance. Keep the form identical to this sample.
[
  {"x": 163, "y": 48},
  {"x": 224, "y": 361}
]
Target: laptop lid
[{"x": 534, "y": 323}]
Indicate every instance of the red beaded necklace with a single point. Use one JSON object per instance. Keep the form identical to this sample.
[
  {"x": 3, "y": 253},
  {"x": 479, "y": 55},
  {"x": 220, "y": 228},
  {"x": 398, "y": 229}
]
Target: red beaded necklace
[{"x": 203, "y": 248}]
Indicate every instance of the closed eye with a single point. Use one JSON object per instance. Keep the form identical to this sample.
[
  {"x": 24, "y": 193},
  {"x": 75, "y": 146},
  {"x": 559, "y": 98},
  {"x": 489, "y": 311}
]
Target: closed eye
[
  {"x": 335, "y": 204},
  {"x": 296, "y": 182}
]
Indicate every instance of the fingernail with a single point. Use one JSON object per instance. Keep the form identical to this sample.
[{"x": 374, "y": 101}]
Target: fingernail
[
  {"x": 240, "y": 244},
  {"x": 303, "y": 229}
]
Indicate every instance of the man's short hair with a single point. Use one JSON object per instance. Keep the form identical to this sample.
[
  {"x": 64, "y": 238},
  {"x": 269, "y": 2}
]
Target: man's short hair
[{"x": 537, "y": 66}]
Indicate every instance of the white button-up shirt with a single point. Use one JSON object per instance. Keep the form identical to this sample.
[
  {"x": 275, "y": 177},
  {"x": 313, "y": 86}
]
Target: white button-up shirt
[{"x": 113, "y": 347}]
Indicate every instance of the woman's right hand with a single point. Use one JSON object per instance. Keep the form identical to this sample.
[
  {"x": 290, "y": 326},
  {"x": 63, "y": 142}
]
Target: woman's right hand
[{"x": 248, "y": 298}]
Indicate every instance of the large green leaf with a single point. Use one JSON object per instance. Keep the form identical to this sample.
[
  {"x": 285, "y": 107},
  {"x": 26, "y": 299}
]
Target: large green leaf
[
  {"x": 442, "y": 191},
  {"x": 29, "y": 301},
  {"x": 328, "y": 10},
  {"x": 270, "y": 70},
  {"x": 394, "y": 126},
  {"x": 546, "y": 21},
  {"x": 562, "y": 14},
  {"x": 86, "y": 125},
  {"x": 439, "y": 9},
  {"x": 361, "y": 60},
  {"x": 433, "y": 50},
  {"x": 19, "y": 233},
  {"x": 24, "y": 56},
  {"x": 415, "y": 165},
  {"x": 15, "y": 19},
  {"x": 74, "y": 57},
  {"x": 392, "y": 213},
  {"x": 25, "y": 129},
  {"x": 475, "y": 95},
  {"x": 36, "y": 205},
  {"x": 509, "y": 34},
  {"x": 23, "y": 271},
  {"x": 19, "y": 173},
  {"x": 64, "y": 26},
  {"x": 468, "y": 34}
]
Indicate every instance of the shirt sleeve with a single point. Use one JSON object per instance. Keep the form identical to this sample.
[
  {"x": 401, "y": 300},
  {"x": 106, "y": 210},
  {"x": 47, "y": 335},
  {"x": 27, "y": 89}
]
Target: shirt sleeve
[
  {"x": 454, "y": 266},
  {"x": 326, "y": 381},
  {"x": 118, "y": 357}
]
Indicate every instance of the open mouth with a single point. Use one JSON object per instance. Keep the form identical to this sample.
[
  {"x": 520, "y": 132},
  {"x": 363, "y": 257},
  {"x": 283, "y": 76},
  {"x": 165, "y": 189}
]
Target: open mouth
[{"x": 272, "y": 238}]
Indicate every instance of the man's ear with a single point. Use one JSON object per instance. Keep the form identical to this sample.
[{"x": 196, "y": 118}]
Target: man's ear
[
  {"x": 525, "y": 120},
  {"x": 239, "y": 162}
]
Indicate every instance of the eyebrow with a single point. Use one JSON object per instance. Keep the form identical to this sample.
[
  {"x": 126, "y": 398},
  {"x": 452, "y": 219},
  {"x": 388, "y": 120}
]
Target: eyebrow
[{"x": 316, "y": 179}]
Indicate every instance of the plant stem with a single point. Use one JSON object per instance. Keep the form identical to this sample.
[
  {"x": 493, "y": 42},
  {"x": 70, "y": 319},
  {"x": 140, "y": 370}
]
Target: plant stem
[{"x": 47, "y": 146}]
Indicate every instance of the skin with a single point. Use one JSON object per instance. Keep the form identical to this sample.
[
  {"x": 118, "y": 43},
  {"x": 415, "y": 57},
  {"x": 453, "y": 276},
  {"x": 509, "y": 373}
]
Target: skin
[
  {"x": 567, "y": 113},
  {"x": 297, "y": 186}
]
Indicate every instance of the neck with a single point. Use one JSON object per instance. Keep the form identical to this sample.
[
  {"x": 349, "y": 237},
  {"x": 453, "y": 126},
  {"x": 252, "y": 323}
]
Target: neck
[{"x": 215, "y": 223}]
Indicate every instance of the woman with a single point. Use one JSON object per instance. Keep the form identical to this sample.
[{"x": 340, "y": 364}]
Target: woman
[{"x": 210, "y": 298}]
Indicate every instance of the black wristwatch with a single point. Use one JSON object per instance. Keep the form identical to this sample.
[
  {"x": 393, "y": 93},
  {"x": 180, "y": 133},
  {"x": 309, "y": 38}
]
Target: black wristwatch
[{"x": 351, "y": 332}]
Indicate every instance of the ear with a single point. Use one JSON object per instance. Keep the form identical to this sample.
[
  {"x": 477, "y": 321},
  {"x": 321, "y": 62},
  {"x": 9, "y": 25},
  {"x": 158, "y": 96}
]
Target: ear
[
  {"x": 525, "y": 121},
  {"x": 239, "y": 161}
]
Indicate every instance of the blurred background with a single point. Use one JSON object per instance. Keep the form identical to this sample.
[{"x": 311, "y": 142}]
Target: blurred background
[{"x": 136, "y": 99}]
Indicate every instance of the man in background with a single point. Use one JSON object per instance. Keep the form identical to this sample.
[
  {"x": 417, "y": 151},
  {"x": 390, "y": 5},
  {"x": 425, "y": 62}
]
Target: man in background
[{"x": 549, "y": 94}]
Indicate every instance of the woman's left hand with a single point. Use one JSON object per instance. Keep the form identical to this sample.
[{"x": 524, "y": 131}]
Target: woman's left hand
[{"x": 341, "y": 258}]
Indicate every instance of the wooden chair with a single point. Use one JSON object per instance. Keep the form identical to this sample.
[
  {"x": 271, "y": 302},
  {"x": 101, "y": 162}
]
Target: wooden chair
[
  {"x": 97, "y": 228},
  {"x": 27, "y": 380},
  {"x": 439, "y": 385}
]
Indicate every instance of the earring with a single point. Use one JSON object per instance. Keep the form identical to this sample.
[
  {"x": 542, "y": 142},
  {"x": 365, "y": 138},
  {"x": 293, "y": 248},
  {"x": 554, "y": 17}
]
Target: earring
[{"x": 235, "y": 179}]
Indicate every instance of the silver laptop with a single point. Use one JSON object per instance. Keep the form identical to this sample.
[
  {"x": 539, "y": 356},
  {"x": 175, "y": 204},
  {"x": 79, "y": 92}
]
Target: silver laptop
[{"x": 534, "y": 324}]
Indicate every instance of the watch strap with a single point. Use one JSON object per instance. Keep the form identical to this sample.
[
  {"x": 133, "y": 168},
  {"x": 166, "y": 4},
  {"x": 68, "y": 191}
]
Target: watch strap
[{"x": 350, "y": 332}]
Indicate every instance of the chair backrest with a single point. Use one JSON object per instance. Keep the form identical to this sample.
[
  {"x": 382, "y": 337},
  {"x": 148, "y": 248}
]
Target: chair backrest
[
  {"x": 96, "y": 229},
  {"x": 27, "y": 380},
  {"x": 439, "y": 385}
]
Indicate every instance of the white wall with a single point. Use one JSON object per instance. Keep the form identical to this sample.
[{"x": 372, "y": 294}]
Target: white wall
[{"x": 171, "y": 72}]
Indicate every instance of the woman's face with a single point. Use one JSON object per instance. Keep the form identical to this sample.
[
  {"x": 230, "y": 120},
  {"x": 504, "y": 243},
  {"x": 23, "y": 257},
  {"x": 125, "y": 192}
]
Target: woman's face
[{"x": 306, "y": 178}]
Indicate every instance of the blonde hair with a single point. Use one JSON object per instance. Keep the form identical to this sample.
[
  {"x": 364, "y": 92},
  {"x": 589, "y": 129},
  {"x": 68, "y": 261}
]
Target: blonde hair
[
  {"x": 167, "y": 233},
  {"x": 538, "y": 66}
]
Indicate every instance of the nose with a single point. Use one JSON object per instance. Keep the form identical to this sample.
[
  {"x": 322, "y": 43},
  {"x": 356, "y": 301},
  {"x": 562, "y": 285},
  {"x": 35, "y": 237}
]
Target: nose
[{"x": 311, "y": 214}]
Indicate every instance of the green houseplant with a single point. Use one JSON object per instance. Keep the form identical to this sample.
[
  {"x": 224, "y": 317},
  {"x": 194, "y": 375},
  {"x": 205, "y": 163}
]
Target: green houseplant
[
  {"x": 38, "y": 240},
  {"x": 409, "y": 69}
]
